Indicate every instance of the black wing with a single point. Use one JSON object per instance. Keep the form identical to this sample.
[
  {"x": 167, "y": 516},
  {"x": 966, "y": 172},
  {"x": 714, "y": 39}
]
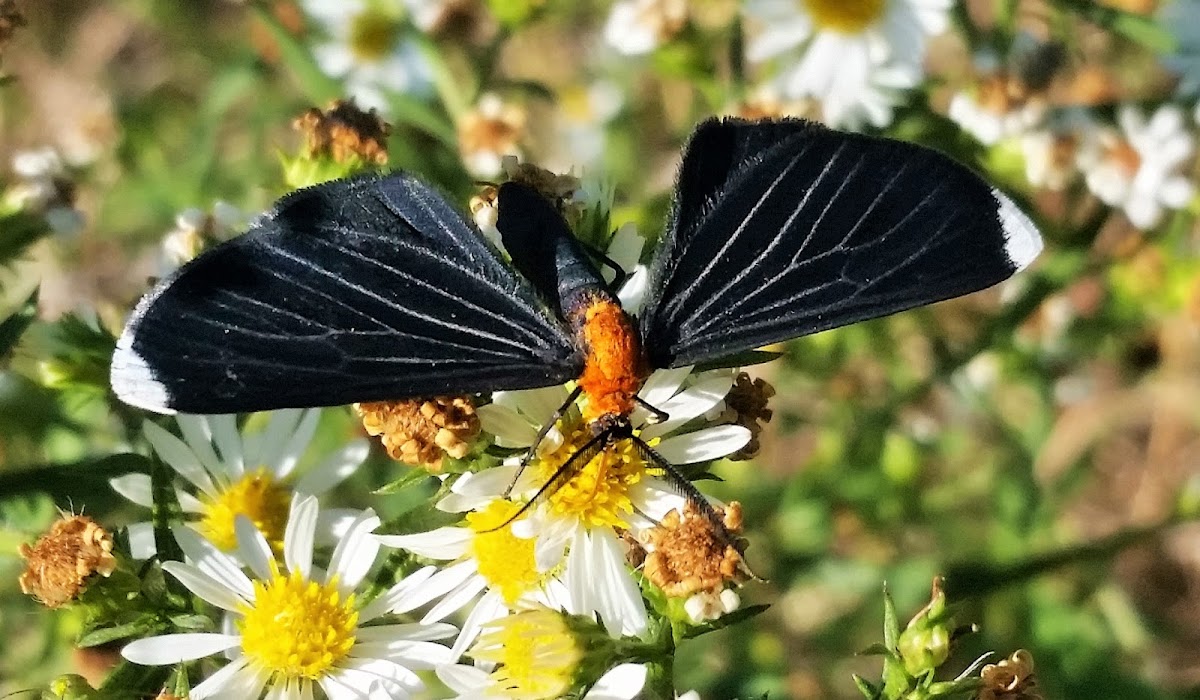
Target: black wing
[
  {"x": 781, "y": 229},
  {"x": 354, "y": 290}
]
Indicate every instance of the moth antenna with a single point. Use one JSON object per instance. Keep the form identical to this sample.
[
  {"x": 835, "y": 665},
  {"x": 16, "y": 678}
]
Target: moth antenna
[{"x": 589, "y": 450}]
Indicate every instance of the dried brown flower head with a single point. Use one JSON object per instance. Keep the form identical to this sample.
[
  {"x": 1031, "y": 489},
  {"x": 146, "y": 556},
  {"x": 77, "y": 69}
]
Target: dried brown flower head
[
  {"x": 746, "y": 405},
  {"x": 421, "y": 432},
  {"x": 687, "y": 554},
  {"x": 344, "y": 132},
  {"x": 488, "y": 133},
  {"x": 1011, "y": 679},
  {"x": 59, "y": 564}
]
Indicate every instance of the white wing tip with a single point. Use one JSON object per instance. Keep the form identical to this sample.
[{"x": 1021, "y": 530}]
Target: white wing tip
[
  {"x": 1022, "y": 242},
  {"x": 133, "y": 381}
]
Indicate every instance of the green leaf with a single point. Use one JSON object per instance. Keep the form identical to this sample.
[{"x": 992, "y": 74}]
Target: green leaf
[
  {"x": 142, "y": 626},
  {"x": 419, "y": 114},
  {"x": 192, "y": 623},
  {"x": 869, "y": 691},
  {"x": 741, "y": 359},
  {"x": 12, "y": 327},
  {"x": 740, "y": 615},
  {"x": 876, "y": 649},
  {"x": 21, "y": 230},
  {"x": 413, "y": 477}
]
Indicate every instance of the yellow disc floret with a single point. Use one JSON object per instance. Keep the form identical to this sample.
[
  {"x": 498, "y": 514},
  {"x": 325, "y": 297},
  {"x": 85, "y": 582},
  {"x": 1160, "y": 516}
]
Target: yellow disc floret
[
  {"x": 597, "y": 493},
  {"x": 259, "y": 497},
  {"x": 845, "y": 16},
  {"x": 537, "y": 652},
  {"x": 298, "y": 628},
  {"x": 505, "y": 560},
  {"x": 373, "y": 34}
]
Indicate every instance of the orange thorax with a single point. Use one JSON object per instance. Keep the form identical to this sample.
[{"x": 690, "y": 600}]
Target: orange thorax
[{"x": 614, "y": 367}]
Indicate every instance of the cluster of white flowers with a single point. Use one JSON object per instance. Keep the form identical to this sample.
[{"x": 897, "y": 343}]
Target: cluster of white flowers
[
  {"x": 368, "y": 45},
  {"x": 854, "y": 56},
  {"x": 520, "y": 570},
  {"x": 44, "y": 185}
]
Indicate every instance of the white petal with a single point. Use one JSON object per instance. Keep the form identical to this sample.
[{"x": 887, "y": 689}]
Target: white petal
[
  {"x": 412, "y": 654},
  {"x": 539, "y": 405},
  {"x": 227, "y": 439},
  {"x": 462, "y": 678},
  {"x": 438, "y": 585},
  {"x": 333, "y": 524},
  {"x": 213, "y": 562},
  {"x": 622, "y": 682},
  {"x": 408, "y": 631},
  {"x": 625, "y": 248},
  {"x": 442, "y": 543},
  {"x": 510, "y": 429},
  {"x": 198, "y": 436},
  {"x": 206, "y": 587},
  {"x": 179, "y": 456},
  {"x": 141, "y": 540},
  {"x": 632, "y": 293},
  {"x": 490, "y": 607},
  {"x": 237, "y": 679},
  {"x": 704, "y": 444},
  {"x": 298, "y": 536},
  {"x": 269, "y": 444},
  {"x": 296, "y": 444},
  {"x": 662, "y": 384},
  {"x": 177, "y": 648},
  {"x": 334, "y": 469},
  {"x": 1176, "y": 192},
  {"x": 253, "y": 547},
  {"x": 354, "y": 556},
  {"x": 455, "y": 600},
  {"x": 397, "y": 596},
  {"x": 696, "y": 400},
  {"x": 135, "y": 487},
  {"x": 621, "y": 606}
]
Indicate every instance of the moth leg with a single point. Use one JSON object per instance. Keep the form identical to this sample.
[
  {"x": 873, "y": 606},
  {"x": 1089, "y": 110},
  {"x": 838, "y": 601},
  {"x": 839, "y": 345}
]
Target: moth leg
[
  {"x": 657, "y": 415},
  {"x": 541, "y": 435},
  {"x": 621, "y": 274}
]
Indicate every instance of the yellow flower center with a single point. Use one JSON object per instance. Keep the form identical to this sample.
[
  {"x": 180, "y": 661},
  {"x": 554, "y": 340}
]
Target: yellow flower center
[
  {"x": 845, "y": 16},
  {"x": 373, "y": 35},
  {"x": 598, "y": 492},
  {"x": 298, "y": 628},
  {"x": 538, "y": 654},
  {"x": 505, "y": 560},
  {"x": 257, "y": 496}
]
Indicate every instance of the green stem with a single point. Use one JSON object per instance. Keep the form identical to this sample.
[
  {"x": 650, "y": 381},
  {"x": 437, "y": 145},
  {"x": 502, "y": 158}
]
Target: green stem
[{"x": 977, "y": 578}]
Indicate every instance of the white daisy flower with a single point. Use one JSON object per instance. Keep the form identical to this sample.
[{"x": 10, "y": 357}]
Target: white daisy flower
[
  {"x": 997, "y": 108},
  {"x": 368, "y": 49},
  {"x": 195, "y": 229},
  {"x": 44, "y": 185},
  {"x": 1138, "y": 168},
  {"x": 230, "y": 473},
  {"x": 299, "y": 628},
  {"x": 492, "y": 568},
  {"x": 1182, "y": 19},
  {"x": 565, "y": 553},
  {"x": 637, "y": 27},
  {"x": 1052, "y": 152},
  {"x": 622, "y": 682},
  {"x": 842, "y": 45}
]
